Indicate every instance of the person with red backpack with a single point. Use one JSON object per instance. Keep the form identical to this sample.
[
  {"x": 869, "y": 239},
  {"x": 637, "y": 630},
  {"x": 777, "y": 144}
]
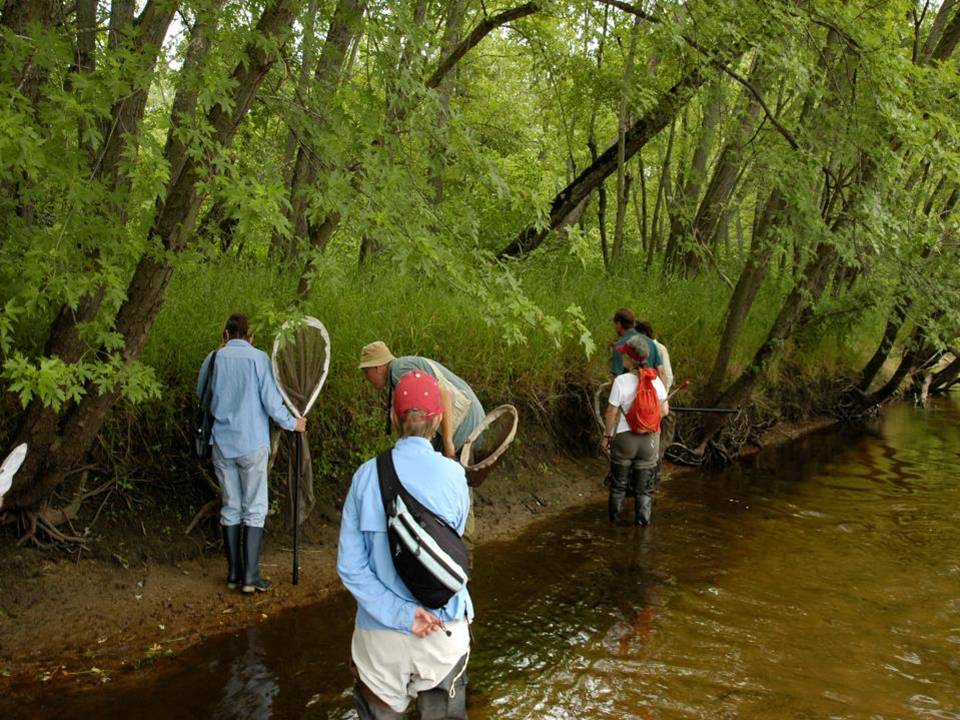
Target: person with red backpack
[{"x": 638, "y": 401}]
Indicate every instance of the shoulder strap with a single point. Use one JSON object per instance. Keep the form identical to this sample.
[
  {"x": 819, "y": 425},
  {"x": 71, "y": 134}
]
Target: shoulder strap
[
  {"x": 207, "y": 396},
  {"x": 391, "y": 487},
  {"x": 389, "y": 426},
  {"x": 389, "y": 481},
  {"x": 440, "y": 377}
]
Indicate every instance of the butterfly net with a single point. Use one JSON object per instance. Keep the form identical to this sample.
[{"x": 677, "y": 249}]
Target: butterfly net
[
  {"x": 600, "y": 401},
  {"x": 301, "y": 360},
  {"x": 485, "y": 447}
]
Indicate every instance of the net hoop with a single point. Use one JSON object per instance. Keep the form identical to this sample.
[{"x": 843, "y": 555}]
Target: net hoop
[
  {"x": 9, "y": 468},
  {"x": 598, "y": 411},
  {"x": 477, "y": 472},
  {"x": 278, "y": 343}
]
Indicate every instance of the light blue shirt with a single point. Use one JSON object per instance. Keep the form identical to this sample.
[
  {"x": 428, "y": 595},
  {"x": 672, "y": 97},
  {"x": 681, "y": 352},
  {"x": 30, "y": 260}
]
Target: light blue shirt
[
  {"x": 245, "y": 397},
  {"x": 363, "y": 558}
]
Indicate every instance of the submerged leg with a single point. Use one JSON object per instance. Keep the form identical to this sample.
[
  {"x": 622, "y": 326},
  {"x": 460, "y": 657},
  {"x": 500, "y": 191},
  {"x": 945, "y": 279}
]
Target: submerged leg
[
  {"x": 619, "y": 477},
  {"x": 644, "y": 480}
]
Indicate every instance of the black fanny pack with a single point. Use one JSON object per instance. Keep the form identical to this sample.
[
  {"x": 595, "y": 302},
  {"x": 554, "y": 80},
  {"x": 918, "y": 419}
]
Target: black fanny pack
[{"x": 428, "y": 554}]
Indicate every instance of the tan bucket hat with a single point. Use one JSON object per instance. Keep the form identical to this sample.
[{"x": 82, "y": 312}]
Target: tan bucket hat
[{"x": 375, "y": 354}]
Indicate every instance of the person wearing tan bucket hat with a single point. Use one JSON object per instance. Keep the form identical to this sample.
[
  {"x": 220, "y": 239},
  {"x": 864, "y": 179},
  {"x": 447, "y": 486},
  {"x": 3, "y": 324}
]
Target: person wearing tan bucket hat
[{"x": 462, "y": 411}]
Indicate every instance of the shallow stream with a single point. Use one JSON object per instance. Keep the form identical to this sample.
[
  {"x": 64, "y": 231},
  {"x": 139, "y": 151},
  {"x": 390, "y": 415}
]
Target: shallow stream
[{"x": 817, "y": 580}]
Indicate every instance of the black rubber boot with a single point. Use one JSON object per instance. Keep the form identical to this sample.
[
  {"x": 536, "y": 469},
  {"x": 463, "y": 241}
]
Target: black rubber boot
[
  {"x": 619, "y": 476},
  {"x": 645, "y": 482},
  {"x": 252, "y": 582},
  {"x": 231, "y": 546}
]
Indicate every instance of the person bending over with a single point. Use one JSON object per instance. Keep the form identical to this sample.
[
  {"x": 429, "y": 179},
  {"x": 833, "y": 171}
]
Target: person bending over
[{"x": 462, "y": 411}]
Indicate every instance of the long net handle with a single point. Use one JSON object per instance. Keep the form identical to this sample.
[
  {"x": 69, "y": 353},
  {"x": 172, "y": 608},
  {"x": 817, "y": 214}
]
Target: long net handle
[{"x": 298, "y": 469}]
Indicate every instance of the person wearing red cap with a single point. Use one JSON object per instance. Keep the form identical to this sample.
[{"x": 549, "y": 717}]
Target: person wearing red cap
[
  {"x": 400, "y": 650},
  {"x": 634, "y": 456}
]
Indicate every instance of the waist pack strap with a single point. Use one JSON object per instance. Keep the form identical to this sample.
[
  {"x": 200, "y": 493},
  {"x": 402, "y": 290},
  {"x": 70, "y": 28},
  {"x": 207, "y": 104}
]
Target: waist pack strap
[{"x": 389, "y": 481}]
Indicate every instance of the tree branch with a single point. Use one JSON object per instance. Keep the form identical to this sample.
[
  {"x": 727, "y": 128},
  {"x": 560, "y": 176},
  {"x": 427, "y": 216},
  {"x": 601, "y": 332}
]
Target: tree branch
[
  {"x": 479, "y": 33},
  {"x": 632, "y": 9}
]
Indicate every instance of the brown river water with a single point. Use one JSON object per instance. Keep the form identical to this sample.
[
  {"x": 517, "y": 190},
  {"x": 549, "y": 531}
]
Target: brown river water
[{"x": 816, "y": 580}]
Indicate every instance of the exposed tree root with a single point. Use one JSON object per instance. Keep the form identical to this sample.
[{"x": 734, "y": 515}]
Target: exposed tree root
[
  {"x": 207, "y": 510},
  {"x": 41, "y": 527}
]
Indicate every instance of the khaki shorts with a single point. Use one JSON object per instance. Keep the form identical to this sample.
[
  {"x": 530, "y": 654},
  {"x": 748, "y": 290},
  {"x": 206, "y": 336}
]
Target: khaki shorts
[{"x": 396, "y": 666}]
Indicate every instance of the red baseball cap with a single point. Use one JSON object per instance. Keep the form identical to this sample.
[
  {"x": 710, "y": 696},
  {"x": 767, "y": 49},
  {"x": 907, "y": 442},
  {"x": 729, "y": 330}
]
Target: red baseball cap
[{"x": 417, "y": 390}]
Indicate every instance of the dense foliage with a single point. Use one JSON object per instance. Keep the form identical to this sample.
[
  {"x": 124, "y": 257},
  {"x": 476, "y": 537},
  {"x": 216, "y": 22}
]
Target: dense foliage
[{"x": 773, "y": 184}]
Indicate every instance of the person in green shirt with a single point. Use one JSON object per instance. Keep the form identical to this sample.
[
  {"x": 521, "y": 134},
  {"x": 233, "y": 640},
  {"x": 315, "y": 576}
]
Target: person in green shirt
[
  {"x": 624, "y": 325},
  {"x": 462, "y": 410}
]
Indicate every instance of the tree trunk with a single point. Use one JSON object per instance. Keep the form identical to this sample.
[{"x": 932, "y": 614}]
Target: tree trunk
[
  {"x": 902, "y": 306},
  {"x": 947, "y": 41},
  {"x": 453, "y": 29},
  {"x": 946, "y": 377},
  {"x": 745, "y": 292},
  {"x": 890, "y": 332},
  {"x": 642, "y": 210},
  {"x": 917, "y": 350},
  {"x": 307, "y": 51},
  {"x": 805, "y": 293},
  {"x": 726, "y": 173},
  {"x": 601, "y": 212},
  {"x": 51, "y": 460},
  {"x": 681, "y": 219},
  {"x": 623, "y": 122},
  {"x": 344, "y": 27},
  {"x": 662, "y": 195},
  {"x": 19, "y": 16},
  {"x": 639, "y": 134}
]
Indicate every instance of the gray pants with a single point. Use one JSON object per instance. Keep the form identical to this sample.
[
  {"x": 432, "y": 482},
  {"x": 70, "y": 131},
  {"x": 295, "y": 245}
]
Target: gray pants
[
  {"x": 433, "y": 704},
  {"x": 243, "y": 485},
  {"x": 640, "y": 451}
]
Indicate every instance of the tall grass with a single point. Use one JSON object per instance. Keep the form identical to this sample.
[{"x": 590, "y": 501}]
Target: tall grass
[{"x": 422, "y": 317}]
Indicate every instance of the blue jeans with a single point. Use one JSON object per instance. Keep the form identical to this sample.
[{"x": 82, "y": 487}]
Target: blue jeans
[{"x": 243, "y": 484}]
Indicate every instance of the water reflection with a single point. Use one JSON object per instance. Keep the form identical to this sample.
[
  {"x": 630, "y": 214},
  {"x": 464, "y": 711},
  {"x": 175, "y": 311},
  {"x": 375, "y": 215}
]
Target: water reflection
[
  {"x": 250, "y": 683},
  {"x": 821, "y": 580}
]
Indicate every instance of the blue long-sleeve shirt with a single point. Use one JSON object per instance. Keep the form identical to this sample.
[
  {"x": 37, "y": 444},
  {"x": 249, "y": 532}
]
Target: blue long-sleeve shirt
[
  {"x": 245, "y": 397},
  {"x": 364, "y": 562}
]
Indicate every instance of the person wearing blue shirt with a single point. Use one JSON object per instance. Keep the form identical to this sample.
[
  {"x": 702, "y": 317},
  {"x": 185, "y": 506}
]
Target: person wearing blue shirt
[
  {"x": 401, "y": 650},
  {"x": 625, "y": 327},
  {"x": 244, "y": 397}
]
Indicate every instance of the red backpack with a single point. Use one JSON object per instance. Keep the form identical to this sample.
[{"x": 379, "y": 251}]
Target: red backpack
[{"x": 644, "y": 415}]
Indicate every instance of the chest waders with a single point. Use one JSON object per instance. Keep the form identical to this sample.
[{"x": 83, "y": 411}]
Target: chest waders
[
  {"x": 639, "y": 482},
  {"x": 643, "y": 482}
]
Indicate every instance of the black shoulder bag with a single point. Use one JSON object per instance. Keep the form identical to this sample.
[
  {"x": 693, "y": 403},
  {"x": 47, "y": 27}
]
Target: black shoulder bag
[
  {"x": 200, "y": 446},
  {"x": 429, "y": 555}
]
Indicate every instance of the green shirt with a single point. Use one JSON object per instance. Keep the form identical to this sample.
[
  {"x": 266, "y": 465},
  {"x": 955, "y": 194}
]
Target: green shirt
[
  {"x": 653, "y": 354},
  {"x": 402, "y": 365}
]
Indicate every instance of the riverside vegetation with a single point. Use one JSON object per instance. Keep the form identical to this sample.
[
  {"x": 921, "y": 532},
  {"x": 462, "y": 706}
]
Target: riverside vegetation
[{"x": 772, "y": 184}]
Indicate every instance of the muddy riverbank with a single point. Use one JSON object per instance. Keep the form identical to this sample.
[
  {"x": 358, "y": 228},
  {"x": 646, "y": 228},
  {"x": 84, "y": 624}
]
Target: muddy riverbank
[{"x": 94, "y": 621}]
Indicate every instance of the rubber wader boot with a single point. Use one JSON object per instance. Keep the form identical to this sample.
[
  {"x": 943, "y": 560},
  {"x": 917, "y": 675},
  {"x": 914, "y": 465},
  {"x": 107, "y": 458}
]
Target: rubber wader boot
[
  {"x": 644, "y": 481},
  {"x": 252, "y": 582},
  {"x": 619, "y": 476},
  {"x": 231, "y": 546}
]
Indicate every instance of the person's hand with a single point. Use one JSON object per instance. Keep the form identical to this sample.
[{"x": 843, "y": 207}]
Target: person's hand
[
  {"x": 605, "y": 445},
  {"x": 301, "y": 424},
  {"x": 424, "y": 622},
  {"x": 449, "y": 450}
]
